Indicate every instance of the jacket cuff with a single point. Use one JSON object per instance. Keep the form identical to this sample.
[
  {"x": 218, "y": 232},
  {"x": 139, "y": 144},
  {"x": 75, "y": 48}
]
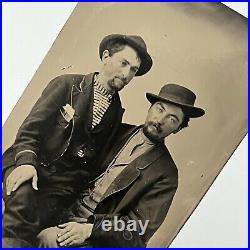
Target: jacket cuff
[
  {"x": 26, "y": 157},
  {"x": 98, "y": 218},
  {"x": 91, "y": 219}
]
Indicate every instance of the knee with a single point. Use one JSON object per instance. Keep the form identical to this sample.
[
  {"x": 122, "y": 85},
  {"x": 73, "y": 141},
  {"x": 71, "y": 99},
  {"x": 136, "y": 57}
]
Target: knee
[
  {"x": 24, "y": 198},
  {"x": 25, "y": 191},
  {"x": 47, "y": 238}
]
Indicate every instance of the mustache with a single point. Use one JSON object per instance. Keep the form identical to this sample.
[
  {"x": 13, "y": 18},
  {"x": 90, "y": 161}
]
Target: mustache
[
  {"x": 123, "y": 79},
  {"x": 156, "y": 125}
]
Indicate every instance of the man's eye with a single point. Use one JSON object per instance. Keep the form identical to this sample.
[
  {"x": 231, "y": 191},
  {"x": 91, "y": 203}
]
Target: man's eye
[
  {"x": 159, "y": 109},
  {"x": 134, "y": 70},
  {"x": 173, "y": 120},
  {"x": 123, "y": 63}
]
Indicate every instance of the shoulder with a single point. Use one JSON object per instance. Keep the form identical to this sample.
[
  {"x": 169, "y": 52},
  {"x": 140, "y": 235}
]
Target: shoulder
[
  {"x": 167, "y": 166},
  {"x": 126, "y": 128},
  {"x": 68, "y": 79},
  {"x": 63, "y": 83}
]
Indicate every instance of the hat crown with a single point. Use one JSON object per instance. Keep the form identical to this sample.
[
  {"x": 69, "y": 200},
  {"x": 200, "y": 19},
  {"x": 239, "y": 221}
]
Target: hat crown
[
  {"x": 139, "y": 40},
  {"x": 177, "y": 93}
]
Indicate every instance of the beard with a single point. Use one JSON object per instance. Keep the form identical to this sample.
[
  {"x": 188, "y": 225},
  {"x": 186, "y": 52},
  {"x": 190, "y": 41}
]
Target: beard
[
  {"x": 117, "y": 83},
  {"x": 153, "y": 131}
]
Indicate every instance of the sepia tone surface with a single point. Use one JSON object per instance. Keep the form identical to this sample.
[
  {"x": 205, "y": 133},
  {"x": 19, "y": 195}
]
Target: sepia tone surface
[{"x": 200, "y": 45}]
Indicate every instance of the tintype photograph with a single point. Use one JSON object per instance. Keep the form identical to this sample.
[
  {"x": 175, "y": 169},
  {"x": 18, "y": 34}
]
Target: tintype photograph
[{"x": 126, "y": 124}]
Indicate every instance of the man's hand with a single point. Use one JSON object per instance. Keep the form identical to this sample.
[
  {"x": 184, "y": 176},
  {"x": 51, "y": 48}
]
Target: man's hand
[
  {"x": 74, "y": 234},
  {"x": 19, "y": 175}
]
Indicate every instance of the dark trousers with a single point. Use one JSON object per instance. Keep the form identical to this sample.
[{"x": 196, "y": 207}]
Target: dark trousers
[{"x": 27, "y": 212}]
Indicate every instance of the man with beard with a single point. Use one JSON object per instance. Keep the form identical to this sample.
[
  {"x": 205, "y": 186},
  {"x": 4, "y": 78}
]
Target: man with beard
[
  {"x": 137, "y": 185},
  {"x": 64, "y": 137}
]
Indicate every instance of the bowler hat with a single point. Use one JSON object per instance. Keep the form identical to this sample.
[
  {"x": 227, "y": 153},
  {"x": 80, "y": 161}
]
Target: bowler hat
[
  {"x": 137, "y": 43},
  {"x": 179, "y": 95}
]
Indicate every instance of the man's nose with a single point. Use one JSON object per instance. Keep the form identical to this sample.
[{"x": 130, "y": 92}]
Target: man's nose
[
  {"x": 161, "y": 119},
  {"x": 126, "y": 72}
]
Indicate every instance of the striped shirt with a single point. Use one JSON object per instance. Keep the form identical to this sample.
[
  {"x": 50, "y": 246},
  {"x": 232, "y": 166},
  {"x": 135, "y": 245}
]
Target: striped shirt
[{"x": 102, "y": 100}]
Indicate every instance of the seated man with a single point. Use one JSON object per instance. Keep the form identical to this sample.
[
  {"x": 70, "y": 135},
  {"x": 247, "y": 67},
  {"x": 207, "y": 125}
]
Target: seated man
[
  {"x": 67, "y": 131},
  {"x": 126, "y": 204}
]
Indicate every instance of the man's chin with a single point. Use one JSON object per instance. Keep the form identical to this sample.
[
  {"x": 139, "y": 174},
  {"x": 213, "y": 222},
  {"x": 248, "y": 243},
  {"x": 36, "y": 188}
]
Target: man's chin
[
  {"x": 151, "y": 136},
  {"x": 117, "y": 87}
]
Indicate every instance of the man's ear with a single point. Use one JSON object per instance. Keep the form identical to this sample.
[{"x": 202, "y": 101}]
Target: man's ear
[{"x": 105, "y": 55}]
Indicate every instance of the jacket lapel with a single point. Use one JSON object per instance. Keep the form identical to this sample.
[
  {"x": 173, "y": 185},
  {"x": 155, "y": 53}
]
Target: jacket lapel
[
  {"x": 110, "y": 114},
  {"x": 118, "y": 145},
  {"x": 133, "y": 170},
  {"x": 82, "y": 101}
]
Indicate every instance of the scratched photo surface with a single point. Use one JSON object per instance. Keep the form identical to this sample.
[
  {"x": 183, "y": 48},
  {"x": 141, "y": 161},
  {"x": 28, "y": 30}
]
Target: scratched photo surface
[{"x": 202, "y": 46}]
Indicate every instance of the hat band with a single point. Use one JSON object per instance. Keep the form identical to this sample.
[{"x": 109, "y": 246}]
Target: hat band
[{"x": 178, "y": 99}]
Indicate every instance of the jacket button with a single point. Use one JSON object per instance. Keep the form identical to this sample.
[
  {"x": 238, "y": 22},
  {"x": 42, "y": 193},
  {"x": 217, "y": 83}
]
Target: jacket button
[{"x": 80, "y": 153}]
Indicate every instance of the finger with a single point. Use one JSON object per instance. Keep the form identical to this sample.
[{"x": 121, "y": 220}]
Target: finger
[
  {"x": 64, "y": 237},
  {"x": 8, "y": 183},
  {"x": 11, "y": 183},
  {"x": 68, "y": 241},
  {"x": 7, "y": 180},
  {"x": 17, "y": 184},
  {"x": 74, "y": 242},
  {"x": 8, "y": 187},
  {"x": 34, "y": 182},
  {"x": 78, "y": 240},
  {"x": 65, "y": 231}
]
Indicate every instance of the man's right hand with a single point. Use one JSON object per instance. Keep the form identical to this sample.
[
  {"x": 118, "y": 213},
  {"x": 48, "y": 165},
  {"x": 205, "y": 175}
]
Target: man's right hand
[{"x": 19, "y": 175}]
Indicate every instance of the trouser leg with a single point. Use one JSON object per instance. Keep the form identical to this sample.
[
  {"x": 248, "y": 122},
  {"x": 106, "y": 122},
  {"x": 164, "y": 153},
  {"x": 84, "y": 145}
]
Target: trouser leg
[
  {"x": 20, "y": 218},
  {"x": 27, "y": 212}
]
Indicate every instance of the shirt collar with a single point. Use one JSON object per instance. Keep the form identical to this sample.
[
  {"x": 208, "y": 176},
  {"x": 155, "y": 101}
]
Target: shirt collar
[
  {"x": 145, "y": 139},
  {"x": 105, "y": 92}
]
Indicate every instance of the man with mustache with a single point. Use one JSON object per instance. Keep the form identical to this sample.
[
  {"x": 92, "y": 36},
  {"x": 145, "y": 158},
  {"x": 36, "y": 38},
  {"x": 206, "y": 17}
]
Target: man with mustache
[
  {"x": 137, "y": 185},
  {"x": 66, "y": 134}
]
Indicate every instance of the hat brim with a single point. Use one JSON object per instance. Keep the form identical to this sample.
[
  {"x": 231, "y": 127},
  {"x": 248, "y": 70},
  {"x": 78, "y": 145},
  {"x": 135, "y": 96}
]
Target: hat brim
[
  {"x": 190, "y": 111},
  {"x": 146, "y": 60}
]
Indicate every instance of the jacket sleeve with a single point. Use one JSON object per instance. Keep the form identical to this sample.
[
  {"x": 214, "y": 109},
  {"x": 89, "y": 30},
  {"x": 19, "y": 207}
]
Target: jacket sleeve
[
  {"x": 27, "y": 143},
  {"x": 152, "y": 207}
]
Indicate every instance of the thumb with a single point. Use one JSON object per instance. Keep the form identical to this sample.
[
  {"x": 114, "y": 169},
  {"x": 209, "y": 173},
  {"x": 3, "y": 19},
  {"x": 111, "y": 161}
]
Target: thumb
[
  {"x": 63, "y": 225},
  {"x": 34, "y": 181}
]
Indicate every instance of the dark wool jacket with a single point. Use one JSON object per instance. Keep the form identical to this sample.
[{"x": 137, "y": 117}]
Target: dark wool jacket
[
  {"x": 143, "y": 191},
  {"x": 45, "y": 135}
]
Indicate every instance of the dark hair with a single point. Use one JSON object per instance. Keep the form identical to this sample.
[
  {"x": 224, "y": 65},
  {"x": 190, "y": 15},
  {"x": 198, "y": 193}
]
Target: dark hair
[
  {"x": 185, "y": 121},
  {"x": 115, "y": 46}
]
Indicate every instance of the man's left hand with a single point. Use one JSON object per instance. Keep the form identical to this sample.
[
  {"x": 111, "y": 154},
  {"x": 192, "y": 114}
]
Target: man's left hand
[{"x": 74, "y": 234}]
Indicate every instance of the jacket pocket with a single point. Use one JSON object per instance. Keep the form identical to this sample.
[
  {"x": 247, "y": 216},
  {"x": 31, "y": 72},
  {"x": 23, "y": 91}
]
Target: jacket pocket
[{"x": 61, "y": 120}]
